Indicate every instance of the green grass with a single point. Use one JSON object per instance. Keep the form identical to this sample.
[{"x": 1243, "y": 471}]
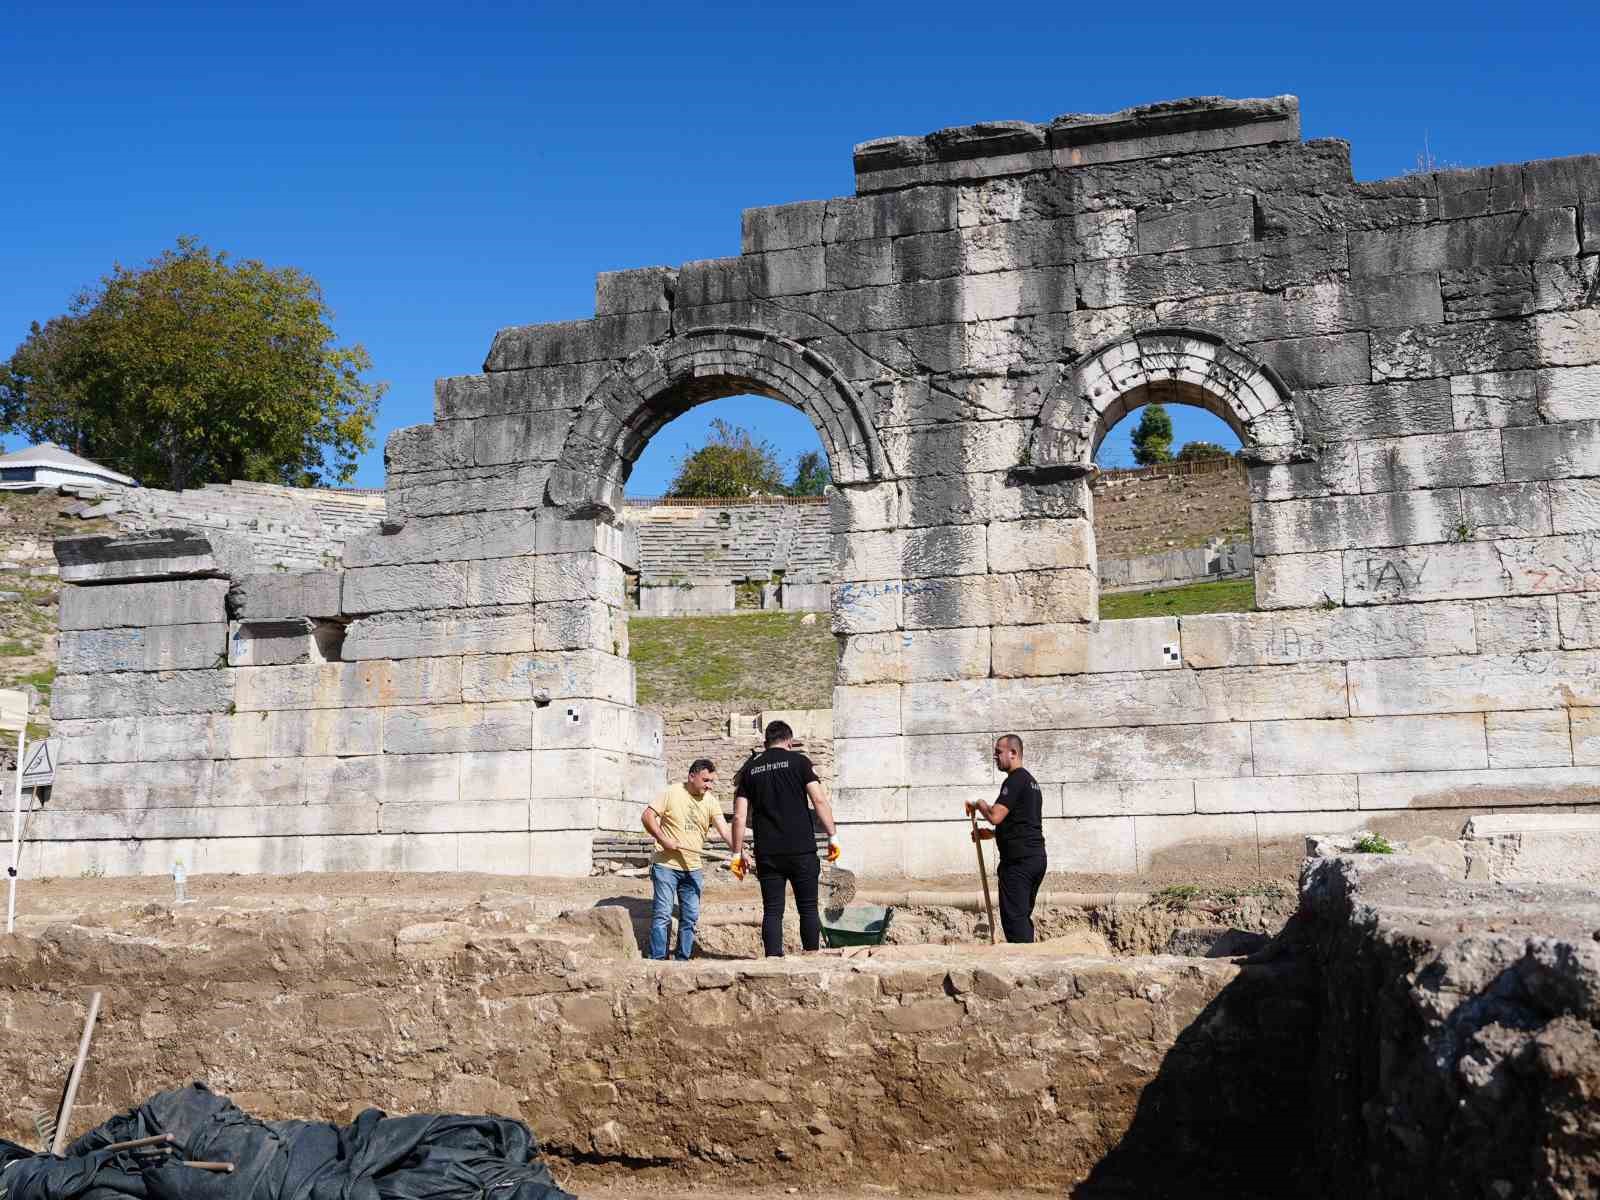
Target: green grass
[
  {"x": 763, "y": 659},
  {"x": 1373, "y": 843},
  {"x": 1223, "y": 595},
  {"x": 14, "y": 649}
]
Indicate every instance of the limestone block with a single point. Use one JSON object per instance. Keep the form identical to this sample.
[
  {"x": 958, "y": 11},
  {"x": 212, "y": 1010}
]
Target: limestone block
[
  {"x": 1036, "y": 545},
  {"x": 1511, "y": 787},
  {"x": 1167, "y": 227},
  {"x": 1249, "y": 266},
  {"x": 400, "y": 816},
  {"x": 582, "y": 576},
  {"x": 1578, "y": 615},
  {"x": 782, "y": 226},
  {"x": 1279, "y": 793},
  {"x": 561, "y": 774},
  {"x": 1585, "y": 736},
  {"x": 859, "y": 507},
  {"x": 1143, "y": 797},
  {"x": 1299, "y": 580},
  {"x": 1092, "y": 845},
  {"x": 1313, "y": 362},
  {"x": 686, "y": 599},
  {"x": 1553, "y": 451},
  {"x": 873, "y": 607},
  {"x": 1345, "y": 522},
  {"x": 936, "y": 552},
  {"x": 1477, "y": 683},
  {"x": 947, "y": 603},
  {"x": 1440, "y": 572},
  {"x": 418, "y": 778},
  {"x": 449, "y": 728},
  {"x": 274, "y": 643},
  {"x": 914, "y": 655},
  {"x": 110, "y": 787},
  {"x": 796, "y": 596},
  {"x": 158, "y": 554},
  {"x": 157, "y": 648},
  {"x": 1574, "y": 505},
  {"x": 1336, "y": 635},
  {"x": 506, "y": 581},
  {"x": 1493, "y": 400},
  {"x": 645, "y": 778},
  {"x": 1506, "y": 510},
  {"x": 1430, "y": 461},
  {"x": 1045, "y": 597},
  {"x": 1529, "y": 739},
  {"x": 511, "y": 487},
  {"x": 354, "y": 684},
  {"x": 142, "y": 694},
  {"x": 867, "y": 557},
  {"x": 571, "y": 625},
  {"x": 644, "y": 731},
  {"x": 1459, "y": 348},
  {"x": 1213, "y": 840},
  {"x": 181, "y": 823},
  {"x": 443, "y": 539},
  {"x": 523, "y": 346},
  {"x": 642, "y": 289},
  {"x": 498, "y": 630},
  {"x": 566, "y": 675},
  {"x": 939, "y": 760},
  {"x": 250, "y": 782},
  {"x": 179, "y": 602},
  {"x": 548, "y": 389},
  {"x": 1145, "y": 752},
  {"x": 971, "y": 499},
  {"x": 414, "y": 585},
  {"x": 869, "y": 762},
  {"x": 966, "y": 448},
  {"x": 1568, "y": 339},
  {"x": 1141, "y": 644},
  {"x": 1369, "y": 744},
  {"x": 851, "y": 805},
  {"x": 1566, "y": 394},
  {"x": 1333, "y": 473},
  {"x": 1395, "y": 408},
  {"x": 1477, "y": 242},
  {"x": 114, "y": 739},
  {"x": 868, "y": 710},
  {"x": 1125, "y": 699},
  {"x": 326, "y": 732}
]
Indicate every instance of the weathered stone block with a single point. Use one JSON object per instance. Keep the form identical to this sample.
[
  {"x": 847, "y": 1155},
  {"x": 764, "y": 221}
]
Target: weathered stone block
[
  {"x": 396, "y": 588},
  {"x": 910, "y": 656},
  {"x": 1147, "y": 752},
  {"x": 1364, "y": 744},
  {"x": 1279, "y": 793},
  {"x": 327, "y": 732},
  {"x": 1040, "y": 545},
  {"x": 558, "y": 391},
  {"x": 1318, "y": 362},
  {"x": 158, "y": 554},
  {"x": 573, "y": 625},
  {"x": 1145, "y": 644},
  {"x": 1362, "y": 410},
  {"x": 1299, "y": 580},
  {"x": 871, "y": 710},
  {"x": 157, "y": 648},
  {"x": 1478, "y": 683},
  {"x": 1515, "y": 624},
  {"x": 1338, "y": 635},
  {"x": 558, "y": 774},
  {"x": 272, "y": 643},
  {"x": 642, "y": 289},
  {"x": 1477, "y": 242},
  {"x": 141, "y": 694},
  {"x": 1045, "y": 597},
  {"x": 514, "y": 487},
  {"x": 1168, "y": 227},
  {"x": 1459, "y": 348},
  {"x": 113, "y": 787},
  {"x": 1553, "y": 451},
  {"x": 450, "y": 728},
  {"x": 1494, "y": 400},
  {"x": 179, "y": 602},
  {"x": 948, "y": 603},
  {"x": 1509, "y": 787},
  {"x": 873, "y": 607},
  {"x": 1579, "y": 619},
  {"x": 1568, "y": 339},
  {"x": 502, "y": 630},
  {"x": 1339, "y": 522},
  {"x": 1529, "y": 739},
  {"x": 443, "y": 539},
  {"x": 523, "y": 346},
  {"x": 1333, "y": 473},
  {"x": 969, "y": 448},
  {"x": 1585, "y": 724},
  {"x": 1430, "y": 461},
  {"x": 1566, "y": 394},
  {"x": 1506, "y": 510},
  {"x": 564, "y": 675}
]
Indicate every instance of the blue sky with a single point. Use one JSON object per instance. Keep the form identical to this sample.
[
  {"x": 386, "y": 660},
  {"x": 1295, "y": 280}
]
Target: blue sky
[{"x": 445, "y": 170}]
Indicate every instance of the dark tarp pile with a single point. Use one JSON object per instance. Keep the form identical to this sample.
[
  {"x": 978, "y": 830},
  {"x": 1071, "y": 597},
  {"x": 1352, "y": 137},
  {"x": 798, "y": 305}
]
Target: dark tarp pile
[{"x": 375, "y": 1157}]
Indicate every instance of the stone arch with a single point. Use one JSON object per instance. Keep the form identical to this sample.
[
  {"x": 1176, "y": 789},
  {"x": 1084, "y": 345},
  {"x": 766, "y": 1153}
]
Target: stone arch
[
  {"x": 1167, "y": 365},
  {"x": 663, "y": 381}
]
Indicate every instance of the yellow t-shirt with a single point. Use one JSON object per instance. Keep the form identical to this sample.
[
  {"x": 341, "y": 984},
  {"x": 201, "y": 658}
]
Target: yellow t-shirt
[{"x": 685, "y": 820}]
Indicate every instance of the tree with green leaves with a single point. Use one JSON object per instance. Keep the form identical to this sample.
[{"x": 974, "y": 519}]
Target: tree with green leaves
[
  {"x": 811, "y": 475},
  {"x": 730, "y": 466},
  {"x": 196, "y": 369},
  {"x": 1152, "y": 437},
  {"x": 1195, "y": 451}
]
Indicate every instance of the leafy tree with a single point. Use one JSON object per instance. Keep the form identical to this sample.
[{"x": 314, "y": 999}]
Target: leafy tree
[
  {"x": 1194, "y": 451},
  {"x": 811, "y": 475},
  {"x": 196, "y": 369},
  {"x": 731, "y": 465},
  {"x": 1152, "y": 437}
]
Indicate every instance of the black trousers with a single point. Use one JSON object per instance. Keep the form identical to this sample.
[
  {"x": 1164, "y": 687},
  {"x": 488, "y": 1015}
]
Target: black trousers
[
  {"x": 1019, "y": 888},
  {"x": 801, "y": 872}
]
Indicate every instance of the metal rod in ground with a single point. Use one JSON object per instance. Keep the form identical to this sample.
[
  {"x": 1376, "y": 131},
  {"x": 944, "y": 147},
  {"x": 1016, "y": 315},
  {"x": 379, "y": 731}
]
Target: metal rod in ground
[
  {"x": 64, "y": 1114},
  {"x": 983, "y": 874}
]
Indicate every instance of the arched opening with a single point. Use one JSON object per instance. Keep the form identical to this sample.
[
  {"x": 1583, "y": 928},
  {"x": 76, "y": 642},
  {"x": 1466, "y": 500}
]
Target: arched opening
[{"x": 729, "y": 612}]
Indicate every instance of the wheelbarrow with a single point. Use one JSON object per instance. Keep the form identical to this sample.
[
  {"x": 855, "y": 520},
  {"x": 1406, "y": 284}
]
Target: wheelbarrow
[{"x": 857, "y": 925}]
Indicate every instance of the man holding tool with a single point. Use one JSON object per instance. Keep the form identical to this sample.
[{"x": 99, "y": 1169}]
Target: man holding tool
[
  {"x": 678, "y": 822},
  {"x": 1018, "y": 819},
  {"x": 771, "y": 793}
]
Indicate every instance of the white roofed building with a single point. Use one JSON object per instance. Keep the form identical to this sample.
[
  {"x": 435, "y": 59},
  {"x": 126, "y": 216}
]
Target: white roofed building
[{"x": 48, "y": 465}]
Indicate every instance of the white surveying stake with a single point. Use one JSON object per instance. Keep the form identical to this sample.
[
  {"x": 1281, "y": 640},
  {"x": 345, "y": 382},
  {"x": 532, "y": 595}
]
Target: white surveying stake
[{"x": 14, "y": 719}]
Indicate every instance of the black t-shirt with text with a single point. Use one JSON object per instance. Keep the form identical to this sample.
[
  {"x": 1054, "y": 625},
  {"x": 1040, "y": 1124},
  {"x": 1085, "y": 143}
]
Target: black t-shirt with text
[
  {"x": 1021, "y": 834},
  {"x": 774, "y": 782}
]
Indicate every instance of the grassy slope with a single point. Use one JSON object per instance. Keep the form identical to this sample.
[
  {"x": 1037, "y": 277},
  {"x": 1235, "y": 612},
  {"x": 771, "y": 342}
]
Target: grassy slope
[
  {"x": 1224, "y": 595},
  {"x": 766, "y": 660}
]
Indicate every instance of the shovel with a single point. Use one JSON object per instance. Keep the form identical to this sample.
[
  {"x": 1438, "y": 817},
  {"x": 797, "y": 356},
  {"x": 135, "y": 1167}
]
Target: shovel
[{"x": 983, "y": 872}]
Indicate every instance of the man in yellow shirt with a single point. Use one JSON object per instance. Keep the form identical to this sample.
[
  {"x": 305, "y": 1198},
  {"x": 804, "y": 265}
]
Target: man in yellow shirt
[{"x": 678, "y": 822}]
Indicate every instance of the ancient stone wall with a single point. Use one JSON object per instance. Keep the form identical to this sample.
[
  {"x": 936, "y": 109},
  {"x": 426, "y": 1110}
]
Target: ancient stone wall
[{"x": 1411, "y": 366}]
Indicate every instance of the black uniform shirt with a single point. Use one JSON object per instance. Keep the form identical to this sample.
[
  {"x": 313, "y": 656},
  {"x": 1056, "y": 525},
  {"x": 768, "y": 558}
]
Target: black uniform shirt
[
  {"x": 1021, "y": 834},
  {"x": 774, "y": 782}
]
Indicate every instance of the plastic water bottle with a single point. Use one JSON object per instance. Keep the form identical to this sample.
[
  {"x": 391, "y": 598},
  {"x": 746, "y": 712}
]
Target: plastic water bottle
[{"x": 180, "y": 879}]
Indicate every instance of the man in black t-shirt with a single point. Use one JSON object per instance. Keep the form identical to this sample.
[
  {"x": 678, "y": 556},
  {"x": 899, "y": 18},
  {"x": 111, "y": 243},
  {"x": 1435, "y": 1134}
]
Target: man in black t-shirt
[
  {"x": 771, "y": 792},
  {"x": 1018, "y": 819}
]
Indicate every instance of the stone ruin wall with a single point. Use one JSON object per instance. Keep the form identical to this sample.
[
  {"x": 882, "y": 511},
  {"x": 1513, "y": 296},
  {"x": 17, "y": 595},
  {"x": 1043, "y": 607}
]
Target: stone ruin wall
[{"x": 1413, "y": 366}]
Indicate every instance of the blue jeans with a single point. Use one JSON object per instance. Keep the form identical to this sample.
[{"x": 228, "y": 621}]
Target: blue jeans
[{"x": 683, "y": 886}]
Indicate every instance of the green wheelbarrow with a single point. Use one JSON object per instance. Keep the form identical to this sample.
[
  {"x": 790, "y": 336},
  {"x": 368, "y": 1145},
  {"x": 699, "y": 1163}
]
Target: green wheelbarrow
[{"x": 857, "y": 925}]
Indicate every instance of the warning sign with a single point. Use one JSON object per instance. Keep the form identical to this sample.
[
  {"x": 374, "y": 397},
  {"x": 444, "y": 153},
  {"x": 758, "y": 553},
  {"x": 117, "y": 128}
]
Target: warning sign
[{"x": 40, "y": 769}]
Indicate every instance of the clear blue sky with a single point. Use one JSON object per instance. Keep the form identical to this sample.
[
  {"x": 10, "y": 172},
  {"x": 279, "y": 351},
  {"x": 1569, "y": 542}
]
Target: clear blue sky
[{"x": 445, "y": 170}]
